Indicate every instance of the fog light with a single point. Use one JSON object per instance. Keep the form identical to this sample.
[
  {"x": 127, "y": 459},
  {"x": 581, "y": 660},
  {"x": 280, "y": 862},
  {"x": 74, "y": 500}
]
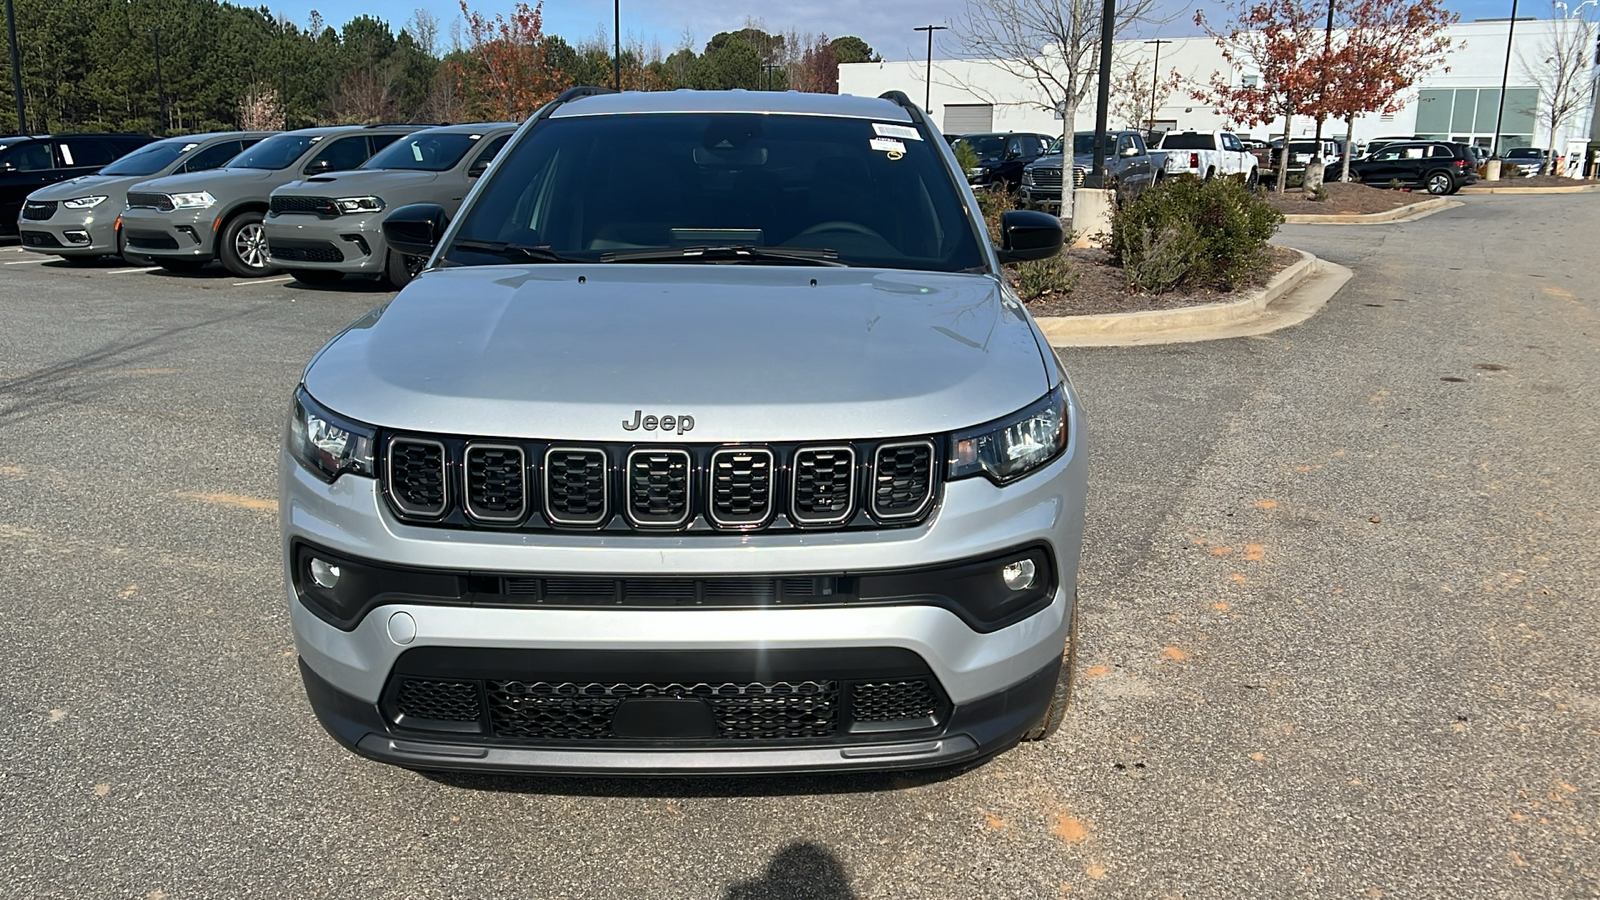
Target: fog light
[
  {"x": 326, "y": 574},
  {"x": 1018, "y": 575},
  {"x": 76, "y": 237}
]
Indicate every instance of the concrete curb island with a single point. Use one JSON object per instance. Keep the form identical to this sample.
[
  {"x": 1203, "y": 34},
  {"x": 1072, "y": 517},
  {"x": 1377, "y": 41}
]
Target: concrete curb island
[
  {"x": 1575, "y": 189},
  {"x": 1258, "y": 313},
  {"x": 1408, "y": 213}
]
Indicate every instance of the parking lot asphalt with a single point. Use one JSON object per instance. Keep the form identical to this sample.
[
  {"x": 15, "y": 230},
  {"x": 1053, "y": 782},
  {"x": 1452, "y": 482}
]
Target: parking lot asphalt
[{"x": 1338, "y": 639}]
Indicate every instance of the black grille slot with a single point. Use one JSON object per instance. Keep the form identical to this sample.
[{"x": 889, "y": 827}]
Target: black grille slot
[
  {"x": 39, "y": 239},
  {"x": 575, "y": 486},
  {"x": 658, "y": 487},
  {"x": 417, "y": 478},
  {"x": 580, "y": 588},
  {"x": 759, "y": 590},
  {"x": 38, "y": 210},
  {"x": 1047, "y": 177},
  {"x": 824, "y": 485},
  {"x": 886, "y": 701},
  {"x": 150, "y": 201},
  {"x": 497, "y": 483},
  {"x": 321, "y": 206},
  {"x": 441, "y": 701},
  {"x": 658, "y": 589},
  {"x": 741, "y": 487},
  {"x": 305, "y": 251},
  {"x": 902, "y": 479},
  {"x": 749, "y": 711},
  {"x": 151, "y": 240},
  {"x": 577, "y": 590}
]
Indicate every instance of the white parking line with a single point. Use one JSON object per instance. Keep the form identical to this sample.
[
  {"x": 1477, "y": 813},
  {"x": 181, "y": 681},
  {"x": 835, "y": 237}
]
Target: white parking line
[
  {"x": 134, "y": 271},
  {"x": 23, "y": 262},
  {"x": 264, "y": 281}
]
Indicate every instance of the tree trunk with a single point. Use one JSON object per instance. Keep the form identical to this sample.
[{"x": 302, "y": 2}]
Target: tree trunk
[
  {"x": 1349, "y": 147},
  {"x": 1283, "y": 157},
  {"x": 1069, "y": 113}
]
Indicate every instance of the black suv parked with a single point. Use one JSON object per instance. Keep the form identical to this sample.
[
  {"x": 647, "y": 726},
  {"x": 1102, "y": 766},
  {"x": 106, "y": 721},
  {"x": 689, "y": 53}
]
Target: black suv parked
[
  {"x": 1001, "y": 157},
  {"x": 28, "y": 163},
  {"x": 1441, "y": 167}
]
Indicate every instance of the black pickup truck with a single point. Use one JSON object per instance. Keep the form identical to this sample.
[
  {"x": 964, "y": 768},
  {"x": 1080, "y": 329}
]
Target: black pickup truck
[{"x": 1130, "y": 167}]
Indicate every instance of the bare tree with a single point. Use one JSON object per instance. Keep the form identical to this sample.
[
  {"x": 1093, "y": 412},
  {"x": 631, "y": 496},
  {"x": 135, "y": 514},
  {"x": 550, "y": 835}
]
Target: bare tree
[
  {"x": 424, "y": 29},
  {"x": 1136, "y": 92},
  {"x": 1562, "y": 69},
  {"x": 259, "y": 109},
  {"x": 367, "y": 95},
  {"x": 1053, "y": 45}
]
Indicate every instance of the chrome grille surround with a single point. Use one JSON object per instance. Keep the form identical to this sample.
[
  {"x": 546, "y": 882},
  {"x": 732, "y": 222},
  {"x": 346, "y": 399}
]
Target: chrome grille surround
[
  {"x": 892, "y": 478},
  {"x": 821, "y": 488},
  {"x": 742, "y": 480},
  {"x": 488, "y": 483},
  {"x": 404, "y": 494},
  {"x": 659, "y": 487},
  {"x": 590, "y": 489}
]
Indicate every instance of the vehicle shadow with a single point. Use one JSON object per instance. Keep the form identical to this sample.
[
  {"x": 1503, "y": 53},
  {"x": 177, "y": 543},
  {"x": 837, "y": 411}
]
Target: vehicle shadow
[
  {"x": 347, "y": 285},
  {"x": 700, "y": 787},
  {"x": 800, "y": 871}
]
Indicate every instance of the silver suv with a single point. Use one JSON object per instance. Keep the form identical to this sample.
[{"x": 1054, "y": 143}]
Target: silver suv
[
  {"x": 327, "y": 226},
  {"x": 81, "y": 219},
  {"x": 185, "y": 221},
  {"x": 711, "y": 440}
]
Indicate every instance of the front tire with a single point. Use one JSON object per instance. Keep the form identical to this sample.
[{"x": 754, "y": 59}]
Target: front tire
[
  {"x": 401, "y": 270},
  {"x": 1440, "y": 183},
  {"x": 1252, "y": 182},
  {"x": 316, "y": 277},
  {"x": 244, "y": 246},
  {"x": 1061, "y": 697}
]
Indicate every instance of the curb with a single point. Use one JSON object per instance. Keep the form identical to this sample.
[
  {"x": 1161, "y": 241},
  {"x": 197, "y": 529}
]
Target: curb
[
  {"x": 1575, "y": 189},
  {"x": 1252, "y": 315},
  {"x": 1407, "y": 213}
]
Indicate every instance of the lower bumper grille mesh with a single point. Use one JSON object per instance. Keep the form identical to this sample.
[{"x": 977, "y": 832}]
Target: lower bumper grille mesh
[
  {"x": 441, "y": 701},
  {"x": 884, "y": 701},
  {"x": 752, "y": 711}
]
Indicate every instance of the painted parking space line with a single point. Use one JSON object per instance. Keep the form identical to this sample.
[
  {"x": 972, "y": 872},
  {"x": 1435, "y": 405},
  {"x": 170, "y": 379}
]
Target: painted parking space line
[
  {"x": 23, "y": 262},
  {"x": 134, "y": 271},
  {"x": 264, "y": 281}
]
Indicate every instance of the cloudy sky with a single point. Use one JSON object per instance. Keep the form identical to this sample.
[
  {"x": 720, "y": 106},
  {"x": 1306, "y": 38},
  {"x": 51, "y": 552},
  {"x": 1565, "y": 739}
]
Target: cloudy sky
[{"x": 885, "y": 24}]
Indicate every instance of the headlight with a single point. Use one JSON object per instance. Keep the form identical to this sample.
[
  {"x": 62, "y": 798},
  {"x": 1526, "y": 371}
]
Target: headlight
[
  {"x": 1009, "y": 448},
  {"x": 84, "y": 202},
  {"x": 975, "y": 172},
  {"x": 1027, "y": 176},
  {"x": 197, "y": 200},
  {"x": 327, "y": 443},
  {"x": 359, "y": 204}
]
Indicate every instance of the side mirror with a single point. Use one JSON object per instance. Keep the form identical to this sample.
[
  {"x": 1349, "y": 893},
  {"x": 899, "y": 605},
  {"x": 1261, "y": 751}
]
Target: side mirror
[
  {"x": 1025, "y": 235},
  {"x": 1130, "y": 151},
  {"x": 478, "y": 168},
  {"x": 318, "y": 166},
  {"x": 415, "y": 230}
]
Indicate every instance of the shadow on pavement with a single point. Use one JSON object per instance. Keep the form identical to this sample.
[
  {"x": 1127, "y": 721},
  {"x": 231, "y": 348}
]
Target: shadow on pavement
[{"x": 800, "y": 871}]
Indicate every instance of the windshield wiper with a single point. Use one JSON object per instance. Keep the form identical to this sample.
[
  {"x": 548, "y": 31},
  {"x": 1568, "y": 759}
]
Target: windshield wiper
[
  {"x": 513, "y": 251},
  {"x": 811, "y": 256}
]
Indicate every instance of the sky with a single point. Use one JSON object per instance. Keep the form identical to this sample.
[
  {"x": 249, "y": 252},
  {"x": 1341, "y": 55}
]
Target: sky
[{"x": 885, "y": 24}]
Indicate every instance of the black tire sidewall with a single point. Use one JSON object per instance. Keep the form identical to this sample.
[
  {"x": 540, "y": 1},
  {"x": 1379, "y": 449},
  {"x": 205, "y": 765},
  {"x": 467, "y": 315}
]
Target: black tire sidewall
[
  {"x": 395, "y": 271},
  {"x": 315, "y": 277},
  {"x": 230, "y": 257}
]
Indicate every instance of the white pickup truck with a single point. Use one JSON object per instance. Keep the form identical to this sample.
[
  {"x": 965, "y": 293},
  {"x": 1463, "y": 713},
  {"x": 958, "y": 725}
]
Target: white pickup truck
[{"x": 1207, "y": 155}]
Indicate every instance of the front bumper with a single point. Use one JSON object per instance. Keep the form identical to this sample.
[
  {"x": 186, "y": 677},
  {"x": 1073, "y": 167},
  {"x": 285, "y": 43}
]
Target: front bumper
[
  {"x": 994, "y": 684},
  {"x": 72, "y": 233},
  {"x": 178, "y": 234},
  {"x": 350, "y": 244}
]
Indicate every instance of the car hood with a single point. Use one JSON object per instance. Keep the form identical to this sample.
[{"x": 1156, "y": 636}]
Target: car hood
[
  {"x": 357, "y": 182},
  {"x": 769, "y": 353},
  {"x": 209, "y": 180},
  {"x": 86, "y": 185}
]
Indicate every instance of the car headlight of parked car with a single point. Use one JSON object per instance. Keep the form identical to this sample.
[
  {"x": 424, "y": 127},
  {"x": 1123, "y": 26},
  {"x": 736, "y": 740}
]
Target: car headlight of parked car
[
  {"x": 351, "y": 205},
  {"x": 195, "y": 200},
  {"x": 1027, "y": 176},
  {"x": 84, "y": 202},
  {"x": 328, "y": 443},
  {"x": 1009, "y": 448}
]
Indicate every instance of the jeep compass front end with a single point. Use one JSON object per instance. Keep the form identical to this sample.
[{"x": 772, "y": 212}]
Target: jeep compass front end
[{"x": 711, "y": 440}]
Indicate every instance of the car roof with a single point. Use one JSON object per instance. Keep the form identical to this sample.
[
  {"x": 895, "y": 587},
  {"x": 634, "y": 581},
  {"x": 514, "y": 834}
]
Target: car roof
[
  {"x": 738, "y": 101},
  {"x": 353, "y": 129},
  {"x": 467, "y": 128},
  {"x": 214, "y": 136}
]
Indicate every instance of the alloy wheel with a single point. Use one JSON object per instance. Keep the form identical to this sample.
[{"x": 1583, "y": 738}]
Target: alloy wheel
[{"x": 251, "y": 245}]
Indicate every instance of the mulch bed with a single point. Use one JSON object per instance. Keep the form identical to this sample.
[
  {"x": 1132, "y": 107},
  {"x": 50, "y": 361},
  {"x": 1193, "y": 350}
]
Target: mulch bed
[
  {"x": 1535, "y": 181},
  {"x": 1099, "y": 288},
  {"x": 1345, "y": 199}
]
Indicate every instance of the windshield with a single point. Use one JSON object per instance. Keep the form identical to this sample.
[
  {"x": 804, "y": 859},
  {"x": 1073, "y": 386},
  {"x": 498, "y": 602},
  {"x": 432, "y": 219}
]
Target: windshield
[
  {"x": 1523, "y": 153},
  {"x": 987, "y": 145},
  {"x": 149, "y": 159},
  {"x": 593, "y": 188},
  {"x": 428, "y": 152},
  {"x": 276, "y": 152},
  {"x": 1082, "y": 144},
  {"x": 1189, "y": 141}
]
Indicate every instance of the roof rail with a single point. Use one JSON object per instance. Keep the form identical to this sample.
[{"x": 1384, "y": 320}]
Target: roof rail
[
  {"x": 402, "y": 124},
  {"x": 899, "y": 98},
  {"x": 567, "y": 96}
]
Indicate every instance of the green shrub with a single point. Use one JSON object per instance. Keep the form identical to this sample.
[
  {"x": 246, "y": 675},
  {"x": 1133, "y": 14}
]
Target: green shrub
[
  {"x": 1320, "y": 193},
  {"x": 966, "y": 157},
  {"x": 1224, "y": 226},
  {"x": 1032, "y": 280}
]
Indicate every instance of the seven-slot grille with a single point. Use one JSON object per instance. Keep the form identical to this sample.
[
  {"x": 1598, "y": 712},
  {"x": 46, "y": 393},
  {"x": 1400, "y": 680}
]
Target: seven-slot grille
[
  {"x": 38, "y": 210},
  {"x": 417, "y": 482},
  {"x": 150, "y": 201},
  {"x": 321, "y": 206},
  {"x": 658, "y": 487},
  {"x": 1046, "y": 177},
  {"x": 508, "y": 483},
  {"x": 902, "y": 479}
]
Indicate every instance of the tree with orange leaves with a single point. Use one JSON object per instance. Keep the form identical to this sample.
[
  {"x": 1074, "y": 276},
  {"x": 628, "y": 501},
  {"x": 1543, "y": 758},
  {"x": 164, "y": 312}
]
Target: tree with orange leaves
[
  {"x": 506, "y": 73},
  {"x": 1278, "y": 44}
]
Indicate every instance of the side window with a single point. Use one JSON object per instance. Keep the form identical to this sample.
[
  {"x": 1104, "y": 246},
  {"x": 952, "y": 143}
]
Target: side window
[
  {"x": 1233, "y": 143},
  {"x": 1013, "y": 148},
  {"x": 344, "y": 153},
  {"x": 1139, "y": 143},
  {"x": 380, "y": 141},
  {"x": 488, "y": 153},
  {"x": 1032, "y": 146},
  {"x": 84, "y": 152},
  {"x": 34, "y": 157},
  {"x": 1441, "y": 150},
  {"x": 212, "y": 157},
  {"x": 1124, "y": 143}
]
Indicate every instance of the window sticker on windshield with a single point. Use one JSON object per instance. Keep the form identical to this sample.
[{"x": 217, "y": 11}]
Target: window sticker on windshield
[
  {"x": 896, "y": 131},
  {"x": 416, "y": 151},
  {"x": 894, "y": 148}
]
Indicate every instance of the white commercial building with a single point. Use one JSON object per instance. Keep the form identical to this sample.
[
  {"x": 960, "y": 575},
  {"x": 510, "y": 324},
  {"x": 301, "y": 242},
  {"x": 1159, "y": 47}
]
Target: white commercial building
[{"x": 1457, "y": 101}]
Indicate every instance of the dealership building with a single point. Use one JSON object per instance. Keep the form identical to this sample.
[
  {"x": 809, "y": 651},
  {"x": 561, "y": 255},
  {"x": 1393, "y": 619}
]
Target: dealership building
[{"x": 1457, "y": 101}]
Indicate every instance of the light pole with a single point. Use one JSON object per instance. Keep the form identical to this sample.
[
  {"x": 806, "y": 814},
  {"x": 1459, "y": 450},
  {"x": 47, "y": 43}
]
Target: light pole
[
  {"x": 1155, "y": 79},
  {"x": 161, "y": 89},
  {"x": 1102, "y": 105},
  {"x": 616, "y": 35},
  {"x": 927, "y": 85},
  {"x": 769, "y": 68},
  {"x": 1500, "y": 116},
  {"x": 16, "y": 70}
]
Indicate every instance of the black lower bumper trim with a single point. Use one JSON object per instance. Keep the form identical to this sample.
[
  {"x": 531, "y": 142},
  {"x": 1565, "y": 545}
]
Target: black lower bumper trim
[{"x": 975, "y": 729}]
